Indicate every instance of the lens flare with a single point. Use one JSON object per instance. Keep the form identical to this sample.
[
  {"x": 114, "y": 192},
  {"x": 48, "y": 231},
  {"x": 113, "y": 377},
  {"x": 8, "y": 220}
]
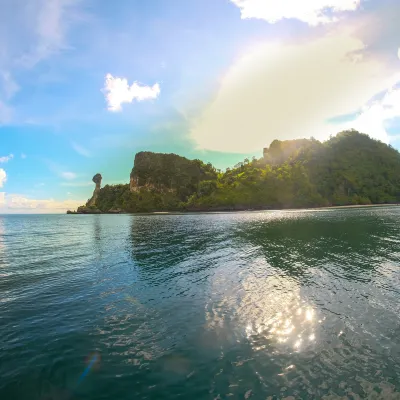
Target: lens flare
[{"x": 93, "y": 360}]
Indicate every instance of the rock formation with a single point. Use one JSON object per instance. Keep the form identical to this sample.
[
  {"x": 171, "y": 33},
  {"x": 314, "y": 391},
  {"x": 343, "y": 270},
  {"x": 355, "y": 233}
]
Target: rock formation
[
  {"x": 168, "y": 173},
  {"x": 97, "y": 180}
]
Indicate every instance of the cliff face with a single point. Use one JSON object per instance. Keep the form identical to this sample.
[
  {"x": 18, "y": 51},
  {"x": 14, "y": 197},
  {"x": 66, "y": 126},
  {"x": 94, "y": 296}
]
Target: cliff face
[{"x": 168, "y": 172}]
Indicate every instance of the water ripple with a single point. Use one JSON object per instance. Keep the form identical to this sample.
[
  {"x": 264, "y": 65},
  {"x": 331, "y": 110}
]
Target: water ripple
[{"x": 261, "y": 305}]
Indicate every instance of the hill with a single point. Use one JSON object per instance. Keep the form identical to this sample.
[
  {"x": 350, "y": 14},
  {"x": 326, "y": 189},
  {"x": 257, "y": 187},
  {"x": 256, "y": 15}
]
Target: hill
[{"x": 348, "y": 169}]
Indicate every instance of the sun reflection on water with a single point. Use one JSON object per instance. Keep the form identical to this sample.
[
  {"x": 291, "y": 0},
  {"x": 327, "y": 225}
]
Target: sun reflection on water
[{"x": 269, "y": 312}]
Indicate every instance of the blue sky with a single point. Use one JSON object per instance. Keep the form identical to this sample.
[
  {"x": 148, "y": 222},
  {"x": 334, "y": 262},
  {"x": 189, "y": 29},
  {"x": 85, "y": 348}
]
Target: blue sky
[{"x": 85, "y": 84}]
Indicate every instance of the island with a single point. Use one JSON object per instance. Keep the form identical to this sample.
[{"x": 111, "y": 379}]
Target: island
[{"x": 348, "y": 169}]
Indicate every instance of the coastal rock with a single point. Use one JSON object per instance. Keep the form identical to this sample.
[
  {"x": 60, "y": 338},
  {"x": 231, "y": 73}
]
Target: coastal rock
[
  {"x": 97, "y": 180},
  {"x": 88, "y": 210},
  {"x": 114, "y": 211}
]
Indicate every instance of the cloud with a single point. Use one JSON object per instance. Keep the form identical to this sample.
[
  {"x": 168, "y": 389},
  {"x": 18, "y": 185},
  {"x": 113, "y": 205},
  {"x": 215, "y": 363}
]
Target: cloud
[
  {"x": 68, "y": 175},
  {"x": 3, "y": 177},
  {"x": 39, "y": 30},
  {"x": 313, "y": 12},
  {"x": 52, "y": 20},
  {"x": 284, "y": 91},
  {"x": 117, "y": 91},
  {"x": 6, "y": 113},
  {"x": 77, "y": 184},
  {"x": 12, "y": 203},
  {"x": 60, "y": 170},
  {"x": 80, "y": 149},
  {"x": 23, "y": 156},
  {"x": 5, "y": 159},
  {"x": 375, "y": 116},
  {"x": 8, "y": 85}
]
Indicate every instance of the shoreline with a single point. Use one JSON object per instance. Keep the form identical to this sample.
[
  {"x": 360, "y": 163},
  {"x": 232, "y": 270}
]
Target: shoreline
[{"x": 237, "y": 210}]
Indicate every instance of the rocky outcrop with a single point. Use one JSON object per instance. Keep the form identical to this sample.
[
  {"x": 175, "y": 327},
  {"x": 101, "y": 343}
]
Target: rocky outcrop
[
  {"x": 88, "y": 210},
  {"x": 90, "y": 207},
  {"x": 97, "y": 180},
  {"x": 133, "y": 182},
  {"x": 166, "y": 173},
  {"x": 114, "y": 211}
]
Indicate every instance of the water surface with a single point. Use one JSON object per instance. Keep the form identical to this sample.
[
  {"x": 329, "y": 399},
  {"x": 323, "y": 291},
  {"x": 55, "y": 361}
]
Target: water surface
[{"x": 291, "y": 304}]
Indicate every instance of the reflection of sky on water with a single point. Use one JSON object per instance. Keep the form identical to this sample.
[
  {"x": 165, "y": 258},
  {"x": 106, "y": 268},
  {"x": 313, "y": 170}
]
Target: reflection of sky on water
[{"x": 3, "y": 262}]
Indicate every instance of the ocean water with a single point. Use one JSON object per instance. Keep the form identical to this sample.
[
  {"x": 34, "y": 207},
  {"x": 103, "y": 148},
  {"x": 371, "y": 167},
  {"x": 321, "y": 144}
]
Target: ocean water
[{"x": 257, "y": 305}]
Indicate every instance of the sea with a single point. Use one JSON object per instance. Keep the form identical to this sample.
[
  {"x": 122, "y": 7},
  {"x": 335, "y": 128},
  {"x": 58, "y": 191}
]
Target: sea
[{"x": 247, "y": 305}]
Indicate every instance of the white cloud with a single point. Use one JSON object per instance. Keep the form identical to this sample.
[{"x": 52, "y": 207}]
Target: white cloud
[
  {"x": 284, "y": 91},
  {"x": 312, "y": 12},
  {"x": 117, "y": 91},
  {"x": 80, "y": 149},
  {"x": 23, "y": 156},
  {"x": 3, "y": 177},
  {"x": 13, "y": 203},
  {"x": 373, "y": 118},
  {"x": 68, "y": 175},
  {"x": 398, "y": 53},
  {"x": 5, "y": 159}
]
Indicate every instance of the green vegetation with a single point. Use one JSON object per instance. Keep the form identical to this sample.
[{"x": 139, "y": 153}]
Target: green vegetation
[{"x": 350, "y": 168}]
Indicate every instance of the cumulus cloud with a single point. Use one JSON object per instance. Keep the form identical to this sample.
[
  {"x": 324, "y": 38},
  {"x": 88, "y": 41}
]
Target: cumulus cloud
[
  {"x": 313, "y": 12},
  {"x": 5, "y": 159},
  {"x": 19, "y": 203},
  {"x": 68, "y": 175},
  {"x": 117, "y": 91},
  {"x": 3, "y": 177},
  {"x": 284, "y": 91}
]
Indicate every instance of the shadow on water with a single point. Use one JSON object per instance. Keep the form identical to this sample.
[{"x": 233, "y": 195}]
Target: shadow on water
[{"x": 296, "y": 241}]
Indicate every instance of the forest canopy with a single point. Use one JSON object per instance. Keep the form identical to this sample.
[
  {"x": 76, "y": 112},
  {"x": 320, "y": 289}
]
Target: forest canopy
[{"x": 348, "y": 169}]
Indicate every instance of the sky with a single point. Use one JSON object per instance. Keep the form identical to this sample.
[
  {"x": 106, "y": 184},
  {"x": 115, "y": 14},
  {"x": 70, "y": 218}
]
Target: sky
[{"x": 85, "y": 84}]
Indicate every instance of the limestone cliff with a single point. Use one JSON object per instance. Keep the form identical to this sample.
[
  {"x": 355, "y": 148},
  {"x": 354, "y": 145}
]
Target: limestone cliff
[
  {"x": 97, "y": 180},
  {"x": 168, "y": 173}
]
